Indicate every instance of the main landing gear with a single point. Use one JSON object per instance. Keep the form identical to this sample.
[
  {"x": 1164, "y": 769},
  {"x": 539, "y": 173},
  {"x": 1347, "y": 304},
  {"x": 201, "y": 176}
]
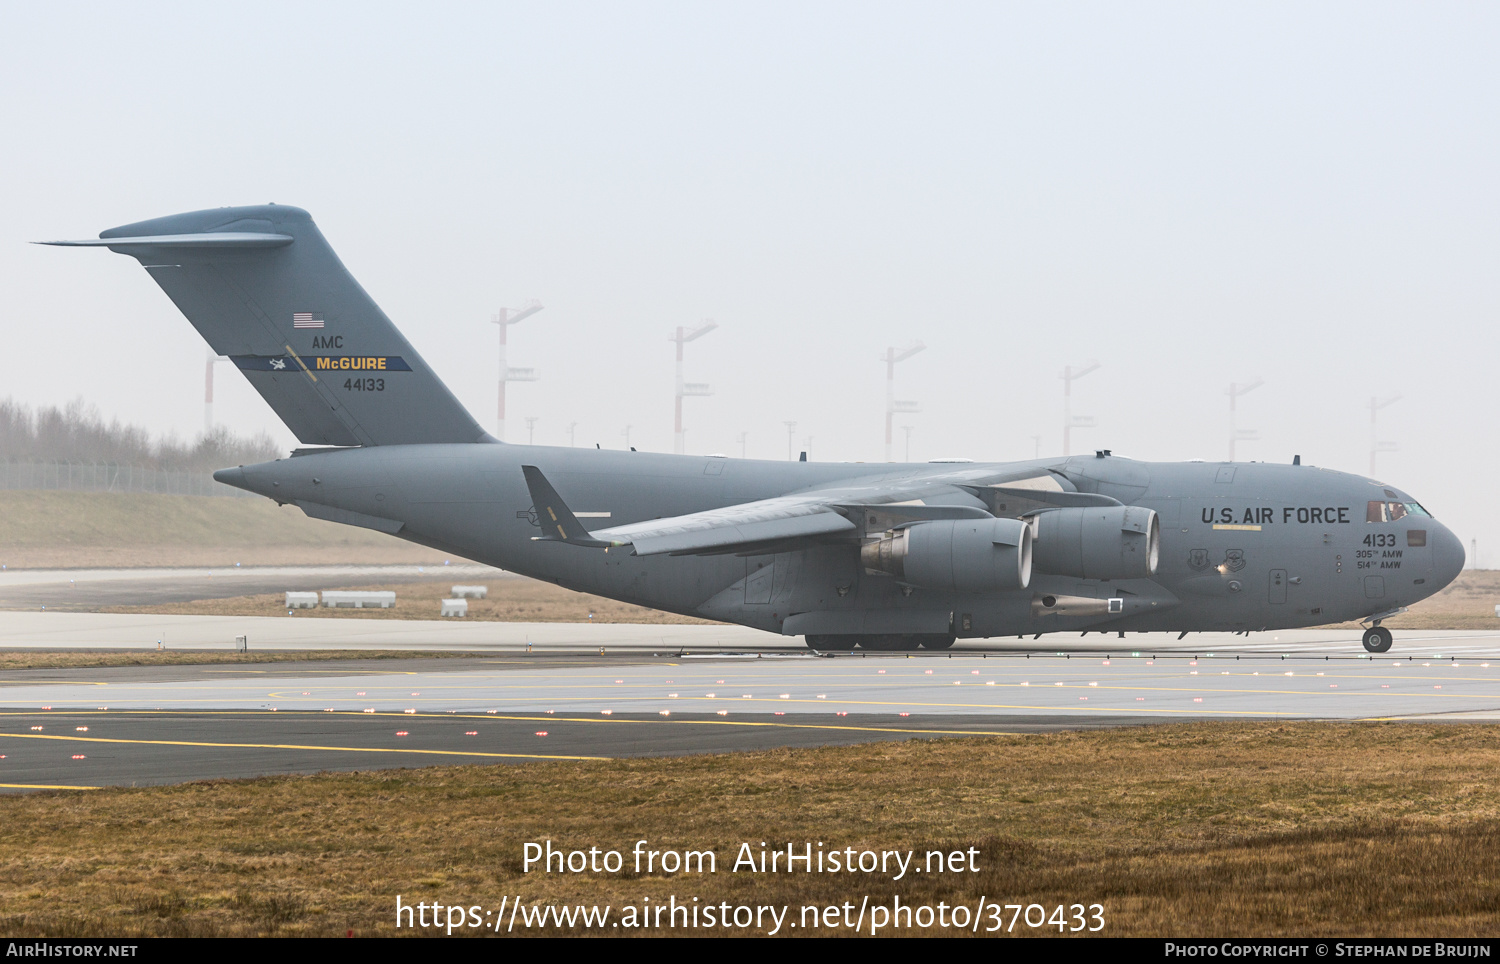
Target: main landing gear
[
  {"x": 881, "y": 643},
  {"x": 1377, "y": 639}
]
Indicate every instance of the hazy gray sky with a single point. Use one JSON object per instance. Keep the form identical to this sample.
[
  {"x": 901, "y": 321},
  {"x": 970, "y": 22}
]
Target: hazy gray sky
[{"x": 1192, "y": 194}]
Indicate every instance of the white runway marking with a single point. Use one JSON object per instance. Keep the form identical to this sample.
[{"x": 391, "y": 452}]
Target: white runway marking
[{"x": 964, "y": 685}]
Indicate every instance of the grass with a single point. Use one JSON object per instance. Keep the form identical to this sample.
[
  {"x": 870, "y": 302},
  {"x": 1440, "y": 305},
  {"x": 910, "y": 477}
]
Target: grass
[
  {"x": 1212, "y": 828},
  {"x": 1466, "y": 603},
  {"x": 43, "y": 529}
]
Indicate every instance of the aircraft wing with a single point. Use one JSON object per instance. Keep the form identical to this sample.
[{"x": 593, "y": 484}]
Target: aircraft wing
[
  {"x": 844, "y": 509},
  {"x": 765, "y": 521}
]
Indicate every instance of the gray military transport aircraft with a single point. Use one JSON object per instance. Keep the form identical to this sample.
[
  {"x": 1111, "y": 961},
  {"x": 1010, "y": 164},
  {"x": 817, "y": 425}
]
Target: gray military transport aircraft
[{"x": 879, "y": 556}]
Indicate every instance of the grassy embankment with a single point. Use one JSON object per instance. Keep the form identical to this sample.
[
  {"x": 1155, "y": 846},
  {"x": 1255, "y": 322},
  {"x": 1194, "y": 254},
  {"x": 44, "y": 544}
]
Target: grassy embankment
[
  {"x": 86, "y": 529},
  {"x": 1196, "y": 829},
  {"x": 1467, "y": 603}
]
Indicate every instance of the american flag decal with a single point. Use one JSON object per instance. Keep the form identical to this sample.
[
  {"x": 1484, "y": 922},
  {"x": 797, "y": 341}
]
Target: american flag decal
[{"x": 307, "y": 319}]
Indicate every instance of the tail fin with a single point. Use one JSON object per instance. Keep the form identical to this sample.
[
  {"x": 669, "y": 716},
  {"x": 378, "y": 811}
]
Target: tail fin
[{"x": 262, "y": 286}]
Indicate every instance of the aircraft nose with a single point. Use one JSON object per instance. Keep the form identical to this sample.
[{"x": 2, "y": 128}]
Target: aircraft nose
[{"x": 1447, "y": 556}]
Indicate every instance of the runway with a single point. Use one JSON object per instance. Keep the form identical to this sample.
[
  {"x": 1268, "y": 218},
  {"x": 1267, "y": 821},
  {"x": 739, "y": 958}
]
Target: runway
[
  {"x": 306, "y": 630},
  {"x": 529, "y": 692},
  {"x": 168, "y": 724}
]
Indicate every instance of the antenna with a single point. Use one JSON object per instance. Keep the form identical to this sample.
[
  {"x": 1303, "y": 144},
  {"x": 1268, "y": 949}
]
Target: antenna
[
  {"x": 506, "y": 317},
  {"x": 892, "y": 406},
  {"x": 1071, "y": 421},
  {"x": 682, "y": 336},
  {"x": 1237, "y": 434}
]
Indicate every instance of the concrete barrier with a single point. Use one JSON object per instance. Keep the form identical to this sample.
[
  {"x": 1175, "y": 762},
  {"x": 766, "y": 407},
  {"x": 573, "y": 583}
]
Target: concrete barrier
[
  {"x": 454, "y": 607},
  {"x": 302, "y": 600},
  {"x": 470, "y": 592},
  {"x": 345, "y": 599}
]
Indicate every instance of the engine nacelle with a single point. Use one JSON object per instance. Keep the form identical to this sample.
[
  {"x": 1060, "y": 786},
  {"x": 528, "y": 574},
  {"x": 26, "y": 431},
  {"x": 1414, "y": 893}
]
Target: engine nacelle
[
  {"x": 967, "y": 555},
  {"x": 1098, "y": 542}
]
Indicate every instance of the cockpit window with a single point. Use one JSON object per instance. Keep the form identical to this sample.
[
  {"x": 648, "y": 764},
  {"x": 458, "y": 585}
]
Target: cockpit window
[{"x": 1392, "y": 511}]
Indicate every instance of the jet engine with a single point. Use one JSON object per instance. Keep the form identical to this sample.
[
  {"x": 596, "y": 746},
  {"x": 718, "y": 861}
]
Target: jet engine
[
  {"x": 967, "y": 555},
  {"x": 1097, "y": 542}
]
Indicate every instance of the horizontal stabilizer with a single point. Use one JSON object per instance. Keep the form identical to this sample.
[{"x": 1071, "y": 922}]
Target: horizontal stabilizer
[{"x": 225, "y": 239}]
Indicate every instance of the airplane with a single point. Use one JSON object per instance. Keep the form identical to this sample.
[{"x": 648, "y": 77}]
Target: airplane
[{"x": 878, "y": 556}]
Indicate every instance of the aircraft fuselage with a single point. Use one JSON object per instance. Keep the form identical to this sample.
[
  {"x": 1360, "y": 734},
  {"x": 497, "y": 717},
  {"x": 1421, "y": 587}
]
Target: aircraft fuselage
[{"x": 1243, "y": 546}]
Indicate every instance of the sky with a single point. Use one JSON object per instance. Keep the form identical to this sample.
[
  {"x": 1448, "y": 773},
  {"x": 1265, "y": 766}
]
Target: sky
[{"x": 1193, "y": 195}]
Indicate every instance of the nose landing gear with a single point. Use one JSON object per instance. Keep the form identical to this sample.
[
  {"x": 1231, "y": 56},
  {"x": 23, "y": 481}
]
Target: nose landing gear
[{"x": 1377, "y": 639}]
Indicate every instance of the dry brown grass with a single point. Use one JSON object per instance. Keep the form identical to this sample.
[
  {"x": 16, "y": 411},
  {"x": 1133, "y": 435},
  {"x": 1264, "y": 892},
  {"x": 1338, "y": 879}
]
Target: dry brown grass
[
  {"x": 40, "y": 529},
  {"x": 1195, "y": 829},
  {"x": 512, "y": 599},
  {"x": 1467, "y": 603}
]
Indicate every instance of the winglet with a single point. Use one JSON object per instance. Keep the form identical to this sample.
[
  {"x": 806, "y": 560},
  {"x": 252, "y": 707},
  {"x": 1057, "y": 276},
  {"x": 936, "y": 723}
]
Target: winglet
[{"x": 557, "y": 521}]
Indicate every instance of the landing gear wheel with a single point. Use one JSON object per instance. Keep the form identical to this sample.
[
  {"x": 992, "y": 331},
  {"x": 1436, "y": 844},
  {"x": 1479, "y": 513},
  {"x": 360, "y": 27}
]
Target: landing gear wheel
[
  {"x": 882, "y": 643},
  {"x": 1377, "y": 639},
  {"x": 937, "y": 642},
  {"x": 830, "y": 644}
]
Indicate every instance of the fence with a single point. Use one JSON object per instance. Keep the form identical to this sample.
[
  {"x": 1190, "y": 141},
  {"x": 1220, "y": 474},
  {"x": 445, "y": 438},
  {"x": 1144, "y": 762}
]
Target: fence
[{"x": 109, "y": 477}]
